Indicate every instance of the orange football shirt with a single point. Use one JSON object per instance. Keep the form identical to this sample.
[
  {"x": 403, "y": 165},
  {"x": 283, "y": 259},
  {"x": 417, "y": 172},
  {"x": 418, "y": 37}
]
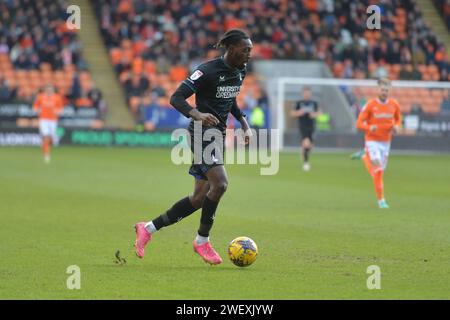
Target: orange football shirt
[
  {"x": 48, "y": 106},
  {"x": 383, "y": 115}
]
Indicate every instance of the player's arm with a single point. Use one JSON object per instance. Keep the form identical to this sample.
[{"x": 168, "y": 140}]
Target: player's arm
[
  {"x": 297, "y": 111},
  {"x": 59, "y": 105},
  {"x": 195, "y": 82},
  {"x": 397, "y": 119},
  {"x": 240, "y": 116},
  {"x": 317, "y": 111},
  {"x": 178, "y": 101},
  {"x": 363, "y": 118},
  {"x": 37, "y": 104}
]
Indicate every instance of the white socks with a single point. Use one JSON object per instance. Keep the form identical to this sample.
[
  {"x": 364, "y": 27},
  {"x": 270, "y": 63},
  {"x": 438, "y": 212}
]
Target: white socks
[
  {"x": 150, "y": 227},
  {"x": 201, "y": 240}
]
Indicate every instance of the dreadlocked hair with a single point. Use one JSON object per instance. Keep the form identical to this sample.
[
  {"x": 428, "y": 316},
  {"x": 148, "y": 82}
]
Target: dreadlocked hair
[{"x": 230, "y": 37}]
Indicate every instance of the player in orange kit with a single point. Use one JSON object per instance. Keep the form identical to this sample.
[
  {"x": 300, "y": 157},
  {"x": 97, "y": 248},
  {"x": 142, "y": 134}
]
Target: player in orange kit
[
  {"x": 379, "y": 119},
  {"x": 49, "y": 105}
]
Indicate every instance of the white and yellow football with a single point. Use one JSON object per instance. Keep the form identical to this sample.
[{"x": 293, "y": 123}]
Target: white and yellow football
[{"x": 242, "y": 251}]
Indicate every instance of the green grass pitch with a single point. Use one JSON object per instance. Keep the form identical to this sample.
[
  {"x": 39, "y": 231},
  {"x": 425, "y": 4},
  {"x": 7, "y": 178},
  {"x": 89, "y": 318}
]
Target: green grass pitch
[{"x": 317, "y": 232}]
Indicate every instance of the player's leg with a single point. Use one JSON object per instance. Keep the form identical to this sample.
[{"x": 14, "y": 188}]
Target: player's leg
[
  {"x": 218, "y": 182},
  {"x": 368, "y": 162},
  {"x": 54, "y": 133},
  {"x": 45, "y": 131},
  {"x": 302, "y": 137},
  {"x": 46, "y": 146},
  {"x": 52, "y": 138},
  {"x": 306, "y": 149},
  {"x": 384, "y": 154},
  {"x": 177, "y": 212},
  {"x": 358, "y": 154},
  {"x": 181, "y": 209},
  {"x": 374, "y": 164}
]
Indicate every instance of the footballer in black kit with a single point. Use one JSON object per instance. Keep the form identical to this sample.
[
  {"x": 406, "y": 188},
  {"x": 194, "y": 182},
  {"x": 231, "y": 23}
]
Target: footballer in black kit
[
  {"x": 306, "y": 110},
  {"x": 215, "y": 84}
]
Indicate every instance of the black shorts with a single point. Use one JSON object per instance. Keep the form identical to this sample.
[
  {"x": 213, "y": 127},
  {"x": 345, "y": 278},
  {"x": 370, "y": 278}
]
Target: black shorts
[
  {"x": 307, "y": 132},
  {"x": 203, "y": 161}
]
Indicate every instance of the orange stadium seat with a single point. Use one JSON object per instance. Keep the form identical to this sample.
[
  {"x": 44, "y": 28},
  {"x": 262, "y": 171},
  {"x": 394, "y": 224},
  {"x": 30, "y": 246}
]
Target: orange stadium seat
[
  {"x": 124, "y": 76},
  {"x": 45, "y": 66},
  {"x": 149, "y": 67},
  {"x": 138, "y": 47},
  {"x": 137, "y": 65},
  {"x": 178, "y": 73},
  {"x": 116, "y": 55}
]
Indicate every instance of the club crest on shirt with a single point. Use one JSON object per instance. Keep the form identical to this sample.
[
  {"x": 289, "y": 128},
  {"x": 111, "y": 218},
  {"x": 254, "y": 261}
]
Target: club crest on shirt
[{"x": 197, "y": 74}]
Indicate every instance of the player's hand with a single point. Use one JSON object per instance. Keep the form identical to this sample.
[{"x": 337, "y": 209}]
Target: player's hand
[
  {"x": 207, "y": 119},
  {"x": 296, "y": 113},
  {"x": 373, "y": 128},
  {"x": 247, "y": 136},
  {"x": 396, "y": 129}
]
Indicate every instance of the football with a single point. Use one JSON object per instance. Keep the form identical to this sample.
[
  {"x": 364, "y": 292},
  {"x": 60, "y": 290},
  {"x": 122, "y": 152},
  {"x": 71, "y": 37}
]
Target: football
[{"x": 242, "y": 251}]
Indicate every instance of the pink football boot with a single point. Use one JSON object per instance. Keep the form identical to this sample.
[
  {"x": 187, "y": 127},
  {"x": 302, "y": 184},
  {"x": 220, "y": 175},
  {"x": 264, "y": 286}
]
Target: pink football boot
[
  {"x": 207, "y": 252},
  {"x": 142, "y": 238}
]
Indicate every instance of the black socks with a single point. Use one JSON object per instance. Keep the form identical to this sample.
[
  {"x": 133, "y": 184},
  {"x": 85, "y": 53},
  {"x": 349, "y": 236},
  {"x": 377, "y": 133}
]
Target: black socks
[
  {"x": 207, "y": 219},
  {"x": 306, "y": 154},
  {"x": 179, "y": 210}
]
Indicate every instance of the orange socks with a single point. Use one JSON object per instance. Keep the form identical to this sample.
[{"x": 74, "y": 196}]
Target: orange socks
[
  {"x": 378, "y": 182},
  {"x": 46, "y": 146},
  {"x": 368, "y": 164},
  {"x": 377, "y": 176}
]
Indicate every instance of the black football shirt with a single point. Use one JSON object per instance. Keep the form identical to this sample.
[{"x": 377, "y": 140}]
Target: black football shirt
[
  {"x": 216, "y": 86},
  {"x": 308, "y": 106}
]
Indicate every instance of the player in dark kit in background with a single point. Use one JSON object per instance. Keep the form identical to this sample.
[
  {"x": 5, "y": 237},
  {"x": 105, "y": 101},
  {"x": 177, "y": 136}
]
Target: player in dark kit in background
[
  {"x": 216, "y": 84},
  {"x": 306, "y": 110}
]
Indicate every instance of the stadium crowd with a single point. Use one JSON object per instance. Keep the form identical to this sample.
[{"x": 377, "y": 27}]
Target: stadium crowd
[
  {"x": 155, "y": 44},
  {"x": 334, "y": 31},
  {"x": 170, "y": 39},
  {"x": 443, "y": 7},
  {"x": 37, "y": 48}
]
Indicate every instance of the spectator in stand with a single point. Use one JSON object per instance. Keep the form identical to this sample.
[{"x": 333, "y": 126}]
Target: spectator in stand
[
  {"x": 7, "y": 93},
  {"x": 415, "y": 73},
  {"x": 445, "y": 75},
  {"x": 410, "y": 72},
  {"x": 445, "y": 105},
  {"x": 22, "y": 62},
  {"x": 35, "y": 32},
  {"x": 405, "y": 72},
  {"x": 135, "y": 88},
  {"x": 325, "y": 30},
  {"x": 75, "y": 89},
  {"x": 249, "y": 100},
  {"x": 149, "y": 112},
  {"x": 96, "y": 96},
  {"x": 83, "y": 101},
  {"x": 444, "y": 8},
  {"x": 277, "y": 27},
  {"x": 416, "y": 109},
  {"x": 4, "y": 48}
]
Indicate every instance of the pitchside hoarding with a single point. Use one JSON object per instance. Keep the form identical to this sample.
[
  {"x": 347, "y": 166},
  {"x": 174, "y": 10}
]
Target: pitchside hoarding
[{"x": 87, "y": 137}]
